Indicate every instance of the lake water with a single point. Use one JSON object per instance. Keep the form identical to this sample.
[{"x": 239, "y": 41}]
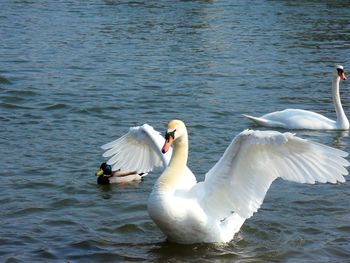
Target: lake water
[{"x": 77, "y": 74}]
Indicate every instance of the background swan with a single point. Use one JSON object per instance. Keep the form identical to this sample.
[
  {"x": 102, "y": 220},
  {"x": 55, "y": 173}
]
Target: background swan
[
  {"x": 303, "y": 119},
  {"x": 215, "y": 209}
]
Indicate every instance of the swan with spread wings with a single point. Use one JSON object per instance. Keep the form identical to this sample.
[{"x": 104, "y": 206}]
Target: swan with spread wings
[{"x": 214, "y": 210}]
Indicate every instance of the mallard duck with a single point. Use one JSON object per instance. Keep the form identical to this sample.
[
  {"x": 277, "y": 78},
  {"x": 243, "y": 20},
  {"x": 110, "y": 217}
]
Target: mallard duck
[
  {"x": 107, "y": 176},
  {"x": 304, "y": 119}
]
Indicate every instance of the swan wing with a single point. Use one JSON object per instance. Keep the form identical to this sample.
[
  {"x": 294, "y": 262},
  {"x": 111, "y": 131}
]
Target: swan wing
[
  {"x": 139, "y": 149},
  {"x": 240, "y": 179}
]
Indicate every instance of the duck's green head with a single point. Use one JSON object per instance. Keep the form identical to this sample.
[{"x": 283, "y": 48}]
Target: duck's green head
[{"x": 105, "y": 169}]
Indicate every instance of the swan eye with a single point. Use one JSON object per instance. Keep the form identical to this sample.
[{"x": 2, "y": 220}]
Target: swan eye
[{"x": 170, "y": 134}]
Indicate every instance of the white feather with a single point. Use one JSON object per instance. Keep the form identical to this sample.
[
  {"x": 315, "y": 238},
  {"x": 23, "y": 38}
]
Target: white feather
[
  {"x": 235, "y": 188},
  {"x": 255, "y": 159},
  {"x": 140, "y": 150}
]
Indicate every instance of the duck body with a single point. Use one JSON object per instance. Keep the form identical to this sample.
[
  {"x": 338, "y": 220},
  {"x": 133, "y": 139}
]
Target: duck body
[
  {"x": 103, "y": 179},
  {"x": 304, "y": 119},
  {"x": 107, "y": 176}
]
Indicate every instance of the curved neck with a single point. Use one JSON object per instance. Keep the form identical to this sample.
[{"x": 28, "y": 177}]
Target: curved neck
[
  {"x": 170, "y": 178},
  {"x": 342, "y": 120}
]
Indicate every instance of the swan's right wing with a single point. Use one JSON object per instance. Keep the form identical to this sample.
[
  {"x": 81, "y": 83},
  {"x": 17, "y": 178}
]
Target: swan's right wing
[
  {"x": 240, "y": 179},
  {"x": 138, "y": 150}
]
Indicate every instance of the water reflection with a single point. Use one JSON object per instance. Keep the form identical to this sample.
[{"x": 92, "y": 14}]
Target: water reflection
[
  {"x": 341, "y": 140},
  {"x": 334, "y": 138},
  {"x": 165, "y": 250}
]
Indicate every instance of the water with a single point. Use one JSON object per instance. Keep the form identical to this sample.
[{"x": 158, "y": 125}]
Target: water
[{"x": 77, "y": 74}]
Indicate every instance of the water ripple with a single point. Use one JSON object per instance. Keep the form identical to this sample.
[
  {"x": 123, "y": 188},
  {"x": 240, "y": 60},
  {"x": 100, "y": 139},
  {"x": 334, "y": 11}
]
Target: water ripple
[
  {"x": 12, "y": 106},
  {"x": 4, "y": 80},
  {"x": 75, "y": 75}
]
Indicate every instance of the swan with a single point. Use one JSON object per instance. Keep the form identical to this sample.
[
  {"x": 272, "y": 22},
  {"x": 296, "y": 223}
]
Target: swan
[
  {"x": 303, "y": 119},
  {"x": 107, "y": 176},
  {"x": 140, "y": 150},
  {"x": 214, "y": 210}
]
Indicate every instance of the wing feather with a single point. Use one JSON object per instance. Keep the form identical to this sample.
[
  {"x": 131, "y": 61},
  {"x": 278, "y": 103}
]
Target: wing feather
[
  {"x": 240, "y": 179},
  {"x": 139, "y": 150}
]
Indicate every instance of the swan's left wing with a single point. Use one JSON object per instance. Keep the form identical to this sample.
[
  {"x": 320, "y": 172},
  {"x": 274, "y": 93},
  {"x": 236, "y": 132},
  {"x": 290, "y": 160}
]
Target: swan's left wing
[
  {"x": 138, "y": 150},
  {"x": 240, "y": 179}
]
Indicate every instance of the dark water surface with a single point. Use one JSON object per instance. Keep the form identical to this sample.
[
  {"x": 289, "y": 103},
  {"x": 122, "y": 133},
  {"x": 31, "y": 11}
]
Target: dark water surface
[{"x": 77, "y": 74}]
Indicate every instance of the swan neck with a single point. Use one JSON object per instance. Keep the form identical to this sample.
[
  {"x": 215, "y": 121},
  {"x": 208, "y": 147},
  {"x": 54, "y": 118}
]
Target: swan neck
[
  {"x": 171, "y": 177},
  {"x": 342, "y": 120}
]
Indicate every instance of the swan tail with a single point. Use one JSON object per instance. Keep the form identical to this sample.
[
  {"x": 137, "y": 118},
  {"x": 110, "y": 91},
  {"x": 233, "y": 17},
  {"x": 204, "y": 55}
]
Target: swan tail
[
  {"x": 255, "y": 119},
  {"x": 264, "y": 122}
]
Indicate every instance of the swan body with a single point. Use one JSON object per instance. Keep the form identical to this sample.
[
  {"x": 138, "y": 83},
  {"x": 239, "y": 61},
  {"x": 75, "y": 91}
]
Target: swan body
[
  {"x": 294, "y": 119},
  {"x": 303, "y": 119},
  {"x": 214, "y": 210}
]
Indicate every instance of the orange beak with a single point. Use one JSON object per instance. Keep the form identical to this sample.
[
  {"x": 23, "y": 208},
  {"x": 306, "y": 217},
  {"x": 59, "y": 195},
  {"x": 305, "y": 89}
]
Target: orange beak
[
  {"x": 342, "y": 76},
  {"x": 167, "y": 145}
]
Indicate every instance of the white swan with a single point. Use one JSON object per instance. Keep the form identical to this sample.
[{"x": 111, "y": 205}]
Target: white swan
[
  {"x": 214, "y": 210},
  {"x": 303, "y": 119}
]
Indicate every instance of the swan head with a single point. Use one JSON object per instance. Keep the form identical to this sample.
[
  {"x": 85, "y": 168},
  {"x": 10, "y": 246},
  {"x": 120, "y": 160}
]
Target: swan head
[
  {"x": 339, "y": 72},
  {"x": 175, "y": 129}
]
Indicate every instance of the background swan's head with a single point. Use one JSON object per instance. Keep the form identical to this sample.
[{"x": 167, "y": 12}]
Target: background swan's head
[
  {"x": 339, "y": 72},
  {"x": 176, "y": 129}
]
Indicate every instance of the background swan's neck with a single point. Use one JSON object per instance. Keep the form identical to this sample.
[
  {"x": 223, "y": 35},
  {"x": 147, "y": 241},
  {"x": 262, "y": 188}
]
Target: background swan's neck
[
  {"x": 170, "y": 178},
  {"x": 342, "y": 120}
]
